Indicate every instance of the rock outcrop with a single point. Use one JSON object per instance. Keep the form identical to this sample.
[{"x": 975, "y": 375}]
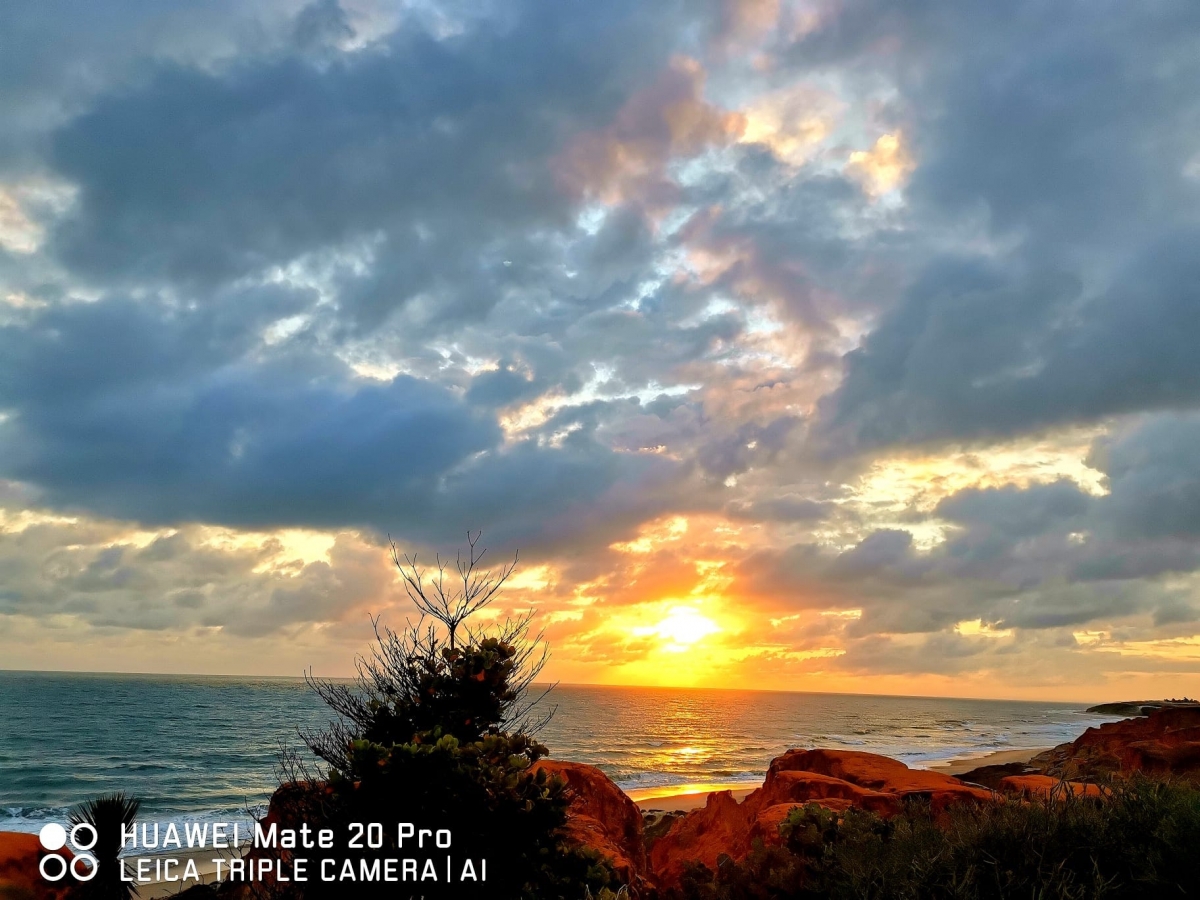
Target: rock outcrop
[
  {"x": 1166, "y": 742},
  {"x": 603, "y": 818},
  {"x": 991, "y": 776},
  {"x": 833, "y": 779},
  {"x": 20, "y": 879}
]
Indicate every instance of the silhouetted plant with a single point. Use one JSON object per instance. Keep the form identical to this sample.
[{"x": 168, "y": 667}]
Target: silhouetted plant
[
  {"x": 109, "y": 815},
  {"x": 438, "y": 729},
  {"x": 439, "y": 676}
]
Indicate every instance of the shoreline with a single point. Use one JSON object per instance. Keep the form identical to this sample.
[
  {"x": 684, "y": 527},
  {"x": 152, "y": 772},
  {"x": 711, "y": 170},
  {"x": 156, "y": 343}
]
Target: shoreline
[{"x": 994, "y": 758}]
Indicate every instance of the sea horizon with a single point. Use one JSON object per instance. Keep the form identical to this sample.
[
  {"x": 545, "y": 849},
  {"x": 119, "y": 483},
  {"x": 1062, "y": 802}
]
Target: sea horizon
[
  {"x": 349, "y": 679},
  {"x": 206, "y": 747}
]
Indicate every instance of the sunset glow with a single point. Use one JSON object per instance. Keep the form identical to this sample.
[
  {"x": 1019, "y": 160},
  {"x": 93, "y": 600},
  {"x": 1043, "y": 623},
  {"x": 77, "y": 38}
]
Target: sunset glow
[
  {"x": 679, "y": 630},
  {"x": 788, "y": 345}
]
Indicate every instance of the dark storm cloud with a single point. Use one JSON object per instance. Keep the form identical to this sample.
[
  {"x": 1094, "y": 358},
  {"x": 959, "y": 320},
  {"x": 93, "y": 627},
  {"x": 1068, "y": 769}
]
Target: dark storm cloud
[
  {"x": 134, "y": 411},
  {"x": 751, "y": 444},
  {"x": 414, "y": 175},
  {"x": 436, "y": 150},
  {"x": 248, "y": 447},
  {"x": 1153, "y": 470},
  {"x": 973, "y": 353},
  {"x": 131, "y": 411},
  {"x": 1068, "y": 132},
  {"x": 1015, "y": 511}
]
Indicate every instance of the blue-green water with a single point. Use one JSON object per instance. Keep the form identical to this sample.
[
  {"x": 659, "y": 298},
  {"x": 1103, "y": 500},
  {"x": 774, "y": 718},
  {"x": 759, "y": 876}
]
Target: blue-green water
[{"x": 207, "y": 748}]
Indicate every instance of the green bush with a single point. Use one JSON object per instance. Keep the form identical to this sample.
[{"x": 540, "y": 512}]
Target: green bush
[
  {"x": 1139, "y": 842},
  {"x": 438, "y": 730}
]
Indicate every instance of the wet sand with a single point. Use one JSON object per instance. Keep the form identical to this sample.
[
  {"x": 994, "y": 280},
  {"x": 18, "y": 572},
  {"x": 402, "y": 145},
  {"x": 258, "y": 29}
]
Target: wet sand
[
  {"x": 998, "y": 758},
  {"x": 684, "y": 797},
  {"x": 204, "y": 865}
]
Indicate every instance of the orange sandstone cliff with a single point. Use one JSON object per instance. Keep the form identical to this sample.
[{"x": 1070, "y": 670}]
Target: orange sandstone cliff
[
  {"x": 1166, "y": 742},
  {"x": 602, "y": 817},
  {"x": 834, "y": 779}
]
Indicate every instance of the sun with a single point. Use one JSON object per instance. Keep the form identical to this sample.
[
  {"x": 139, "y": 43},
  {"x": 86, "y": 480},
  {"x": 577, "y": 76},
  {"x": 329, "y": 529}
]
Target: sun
[{"x": 682, "y": 627}]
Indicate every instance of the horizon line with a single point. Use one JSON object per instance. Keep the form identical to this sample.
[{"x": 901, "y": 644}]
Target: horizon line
[{"x": 578, "y": 684}]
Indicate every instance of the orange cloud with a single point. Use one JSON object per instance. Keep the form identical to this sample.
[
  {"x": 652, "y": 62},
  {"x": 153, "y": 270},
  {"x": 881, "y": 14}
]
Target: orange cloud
[
  {"x": 749, "y": 19},
  {"x": 668, "y": 120}
]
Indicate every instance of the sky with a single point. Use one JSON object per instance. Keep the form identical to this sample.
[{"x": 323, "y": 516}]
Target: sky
[{"x": 841, "y": 345}]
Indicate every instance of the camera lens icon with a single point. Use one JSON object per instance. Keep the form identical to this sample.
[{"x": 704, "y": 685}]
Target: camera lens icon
[{"x": 83, "y": 865}]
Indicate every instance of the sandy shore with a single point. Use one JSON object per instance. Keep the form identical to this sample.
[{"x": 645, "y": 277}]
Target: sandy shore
[
  {"x": 998, "y": 758},
  {"x": 204, "y": 865},
  {"x": 683, "y": 797}
]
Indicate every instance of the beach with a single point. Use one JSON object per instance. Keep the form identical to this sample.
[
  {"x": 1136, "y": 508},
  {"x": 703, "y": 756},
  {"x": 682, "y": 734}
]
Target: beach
[
  {"x": 205, "y": 865},
  {"x": 996, "y": 758}
]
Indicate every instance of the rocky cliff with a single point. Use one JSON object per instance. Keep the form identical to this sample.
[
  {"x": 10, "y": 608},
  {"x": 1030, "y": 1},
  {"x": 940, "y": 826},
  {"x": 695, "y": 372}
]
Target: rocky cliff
[
  {"x": 834, "y": 779},
  {"x": 20, "y": 879},
  {"x": 1165, "y": 742}
]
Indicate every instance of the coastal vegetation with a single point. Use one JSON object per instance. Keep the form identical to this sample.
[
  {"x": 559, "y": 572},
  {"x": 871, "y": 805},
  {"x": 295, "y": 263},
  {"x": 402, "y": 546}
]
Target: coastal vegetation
[
  {"x": 110, "y": 815},
  {"x": 439, "y": 729},
  {"x": 1137, "y": 841}
]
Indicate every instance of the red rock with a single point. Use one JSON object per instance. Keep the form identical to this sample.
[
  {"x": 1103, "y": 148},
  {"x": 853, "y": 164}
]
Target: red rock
[
  {"x": 1162, "y": 757},
  {"x": 799, "y": 787},
  {"x": 20, "y": 879},
  {"x": 722, "y": 825},
  {"x": 1046, "y": 786},
  {"x": 1166, "y": 742},
  {"x": 881, "y": 774},
  {"x": 833, "y": 779},
  {"x": 602, "y": 817}
]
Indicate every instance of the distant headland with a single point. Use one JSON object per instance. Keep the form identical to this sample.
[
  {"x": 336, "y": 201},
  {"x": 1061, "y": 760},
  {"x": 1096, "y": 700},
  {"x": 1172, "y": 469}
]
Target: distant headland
[{"x": 1140, "y": 707}]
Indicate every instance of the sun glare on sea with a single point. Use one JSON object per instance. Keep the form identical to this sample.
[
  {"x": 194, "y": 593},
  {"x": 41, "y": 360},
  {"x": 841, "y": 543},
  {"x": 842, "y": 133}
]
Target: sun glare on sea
[{"x": 681, "y": 628}]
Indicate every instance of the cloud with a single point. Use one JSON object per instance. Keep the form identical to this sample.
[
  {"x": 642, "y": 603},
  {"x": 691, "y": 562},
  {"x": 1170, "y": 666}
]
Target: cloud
[
  {"x": 1069, "y": 154},
  {"x": 177, "y": 427},
  {"x": 1017, "y": 512},
  {"x": 882, "y": 168},
  {"x": 106, "y": 576},
  {"x": 874, "y": 323},
  {"x": 1153, "y": 477},
  {"x": 429, "y": 150},
  {"x": 666, "y": 121},
  {"x": 975, "y": 352}
]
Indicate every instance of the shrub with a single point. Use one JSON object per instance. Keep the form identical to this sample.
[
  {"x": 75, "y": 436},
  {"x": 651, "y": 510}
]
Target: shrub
[
  {"x": 1138, "y": 842},
  {"x": 438, "y": 730},
  {"x": 108, "y": 814}
]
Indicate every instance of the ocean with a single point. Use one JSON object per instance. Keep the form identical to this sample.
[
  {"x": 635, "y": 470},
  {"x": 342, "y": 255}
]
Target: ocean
[{"x": 206, "y": 748}]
